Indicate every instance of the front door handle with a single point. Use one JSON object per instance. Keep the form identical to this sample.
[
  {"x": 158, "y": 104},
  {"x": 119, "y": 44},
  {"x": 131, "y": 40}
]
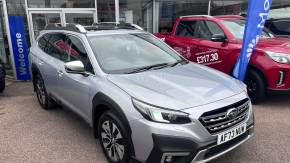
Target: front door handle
[{"x": 60, "y": 73}]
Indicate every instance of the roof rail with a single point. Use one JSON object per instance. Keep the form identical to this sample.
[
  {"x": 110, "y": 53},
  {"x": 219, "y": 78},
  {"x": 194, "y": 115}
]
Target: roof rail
[
  {"x": 188, "y": 16},
  {"x": 113, "y": 25},
  {"x": 69, "y": 27},
  {"x": 96, "y": 26}
]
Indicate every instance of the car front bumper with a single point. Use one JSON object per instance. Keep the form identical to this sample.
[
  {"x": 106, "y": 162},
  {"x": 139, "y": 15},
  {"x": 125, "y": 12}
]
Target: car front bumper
[
  {"x": 215, "y": 151},
  {"x": 184, "y": 150},
  {"x": 155, "y": 142}
]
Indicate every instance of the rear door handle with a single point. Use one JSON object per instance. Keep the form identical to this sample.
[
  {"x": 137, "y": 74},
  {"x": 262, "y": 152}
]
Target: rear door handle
[
  {"x": 60, "y": 73},
  {"x": 40, "y": 62}
]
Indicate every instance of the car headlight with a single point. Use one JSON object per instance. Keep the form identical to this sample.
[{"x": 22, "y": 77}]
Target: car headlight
[
  {"x": 161, "y": 115},
  {"x": 279, "y": 57}
]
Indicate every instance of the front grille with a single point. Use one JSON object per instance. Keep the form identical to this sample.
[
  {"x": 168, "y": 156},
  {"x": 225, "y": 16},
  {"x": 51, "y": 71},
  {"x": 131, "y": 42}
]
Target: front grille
[{"x": 217, "y": 121}]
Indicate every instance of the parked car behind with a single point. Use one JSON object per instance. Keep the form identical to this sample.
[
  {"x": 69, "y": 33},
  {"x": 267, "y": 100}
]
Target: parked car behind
[
  {"x": 217, "y": 41},
  {"x": 279, "y": 26},
  {"x": 2, "y": 77},
  {"x": 143, "y": 100}
]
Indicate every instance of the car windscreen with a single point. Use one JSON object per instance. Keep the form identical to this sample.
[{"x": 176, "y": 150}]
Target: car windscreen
[
  {"x": 122, "y": 53},
  {"x": 237, "y": 28}
]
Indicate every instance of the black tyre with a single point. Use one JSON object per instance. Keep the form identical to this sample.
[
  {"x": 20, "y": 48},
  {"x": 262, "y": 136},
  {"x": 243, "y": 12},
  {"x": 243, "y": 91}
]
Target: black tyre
[
  {"x": 2, "y": 78},
  {"x": 255, "y": 86},
  {"x": 113, "y": 138},
  {"x": 44, "y": 100},
  {"x": 2, "y": 85}
]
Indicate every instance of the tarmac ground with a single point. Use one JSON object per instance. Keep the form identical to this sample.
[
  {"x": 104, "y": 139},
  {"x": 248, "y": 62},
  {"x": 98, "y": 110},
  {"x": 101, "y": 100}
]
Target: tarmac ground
[{"x": 31, "y": 134}]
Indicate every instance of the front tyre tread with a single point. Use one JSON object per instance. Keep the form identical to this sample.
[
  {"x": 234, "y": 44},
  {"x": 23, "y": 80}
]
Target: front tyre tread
[{"x": 256, "y": 86}]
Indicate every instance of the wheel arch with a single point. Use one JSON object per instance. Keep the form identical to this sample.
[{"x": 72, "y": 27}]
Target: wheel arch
[
  {"x": 102, "y": 103},
  {"x": 34, "y": 72},
  {"x": 260, "y": 72}
]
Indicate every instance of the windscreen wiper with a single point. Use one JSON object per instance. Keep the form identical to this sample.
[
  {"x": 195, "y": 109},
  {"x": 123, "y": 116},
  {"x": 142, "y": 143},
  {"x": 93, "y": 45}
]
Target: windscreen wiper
[
  {"x": 146, "y": 68},
  {"x": 181, "y": 61}
]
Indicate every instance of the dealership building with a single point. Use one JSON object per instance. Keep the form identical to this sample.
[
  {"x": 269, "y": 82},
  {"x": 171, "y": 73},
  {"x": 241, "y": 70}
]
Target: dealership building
[{"x": 152, "y": 15}]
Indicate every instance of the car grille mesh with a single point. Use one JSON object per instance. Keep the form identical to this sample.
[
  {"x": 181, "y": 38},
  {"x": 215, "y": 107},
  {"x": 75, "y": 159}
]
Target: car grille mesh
[{"x": 217, "y": 121}]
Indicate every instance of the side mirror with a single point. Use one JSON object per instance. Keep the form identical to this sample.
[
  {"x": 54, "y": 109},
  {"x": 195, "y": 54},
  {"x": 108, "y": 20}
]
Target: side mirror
[
  {"x": 219, "y": 38},
  {"x": 75, "y": 67}
]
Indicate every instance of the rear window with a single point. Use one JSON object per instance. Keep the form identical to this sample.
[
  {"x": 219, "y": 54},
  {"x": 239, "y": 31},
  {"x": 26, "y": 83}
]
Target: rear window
[
  {"x": 53, "y": 45},
  {"x": 42, "y": 43}
]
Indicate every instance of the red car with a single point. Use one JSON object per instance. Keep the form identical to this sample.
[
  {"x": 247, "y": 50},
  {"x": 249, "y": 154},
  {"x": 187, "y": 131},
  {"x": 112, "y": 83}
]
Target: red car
[{"x": 217, "y": 41}]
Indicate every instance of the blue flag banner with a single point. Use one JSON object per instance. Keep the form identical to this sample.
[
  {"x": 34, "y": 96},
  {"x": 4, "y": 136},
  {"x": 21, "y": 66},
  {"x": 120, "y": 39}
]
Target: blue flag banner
[
  {"x": 20, "y": 49},
  {"x": 256, "y": 17}
]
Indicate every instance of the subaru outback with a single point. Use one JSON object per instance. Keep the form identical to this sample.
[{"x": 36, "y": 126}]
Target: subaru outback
[{"x": 144, "y": 101}]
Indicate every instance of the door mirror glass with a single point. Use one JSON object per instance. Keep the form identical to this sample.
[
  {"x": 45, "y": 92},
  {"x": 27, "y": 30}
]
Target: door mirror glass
[
  {"x": 75, "y": 67},
  {"x": 219, "y": 38}
]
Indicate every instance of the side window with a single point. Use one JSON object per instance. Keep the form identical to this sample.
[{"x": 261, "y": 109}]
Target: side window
[
  {"x": 206, "y": 29},
  {"x": 77, "y": 51},
  {"x": 186, "y": 28},
  {"x": 42, "y": 43},
  {"x": 282, "y": 27},
  {"x": 56, "y": 46}
]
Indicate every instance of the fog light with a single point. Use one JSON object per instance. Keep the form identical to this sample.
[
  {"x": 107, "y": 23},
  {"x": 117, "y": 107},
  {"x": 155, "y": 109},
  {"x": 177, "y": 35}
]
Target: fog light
[
  {"x": 168, "y": 159},
  {"x": 281, "y": 78},
  {"x": 173, "y": 157}
]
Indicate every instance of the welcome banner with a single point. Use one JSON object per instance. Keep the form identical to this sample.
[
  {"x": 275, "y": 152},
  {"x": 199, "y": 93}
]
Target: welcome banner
[
  {"x": 20, "y": 48},
  {"x": 256, "y": 17}
]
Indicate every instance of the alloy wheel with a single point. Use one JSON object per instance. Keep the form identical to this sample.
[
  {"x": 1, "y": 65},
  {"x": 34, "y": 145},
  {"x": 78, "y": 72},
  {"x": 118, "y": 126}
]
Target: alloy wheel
[
  {"x": 40, "y": 91},
  {"x": 112, "y": 141}
]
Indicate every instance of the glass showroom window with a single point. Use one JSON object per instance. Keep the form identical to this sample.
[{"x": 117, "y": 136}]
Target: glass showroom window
[
  {"x": 41, "y": 20},
  {"x": 138, "y": 12},
  {"x": 61, "y": 3},
  {"x": 280, "y": 8},
  {"x": 106, "y": 10},
  {"x": 86, "y": 19},
  {"x": 226, "y": 7},
  {"x": 169, "y": 10}
]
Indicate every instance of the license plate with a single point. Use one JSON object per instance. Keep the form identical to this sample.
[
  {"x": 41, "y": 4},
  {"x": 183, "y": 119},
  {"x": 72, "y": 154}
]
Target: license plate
[{"x": 231, "y": 134}]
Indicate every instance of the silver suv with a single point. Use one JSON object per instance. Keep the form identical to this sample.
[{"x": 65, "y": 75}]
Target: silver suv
[{"x": 145, "y": 102}]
